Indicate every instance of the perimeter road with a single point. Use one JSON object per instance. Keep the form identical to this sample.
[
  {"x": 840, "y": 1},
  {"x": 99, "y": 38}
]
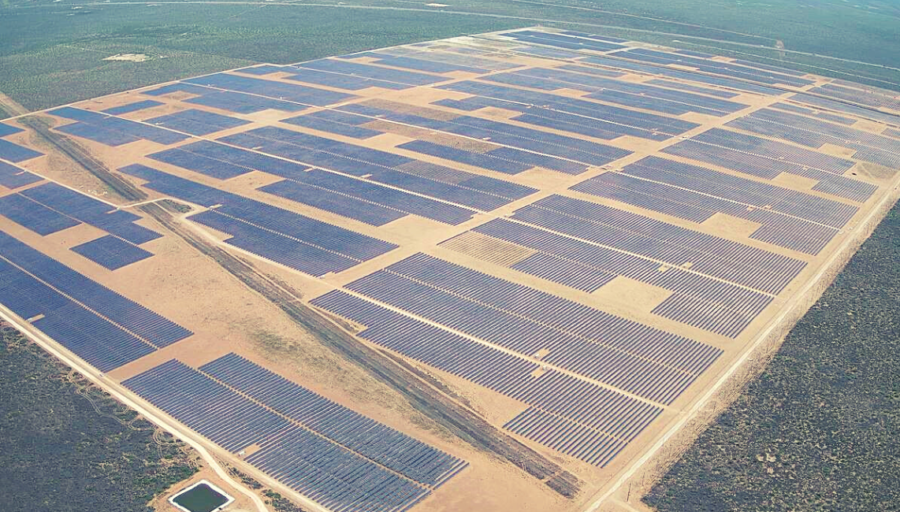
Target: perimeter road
[
  {"x": 95, "y": 377},
  {"x": 763, "y": 336}
]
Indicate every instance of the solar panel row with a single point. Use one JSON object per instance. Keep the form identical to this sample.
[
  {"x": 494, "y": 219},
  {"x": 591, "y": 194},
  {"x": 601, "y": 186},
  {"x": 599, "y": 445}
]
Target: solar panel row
[
  {"x": 529, "y": 141},
  {"x": 33, "y": 215},
  {"x": 617, "y": 62},
  {"x": 615, "y": 91},
  {"x": 561, "y": 257},
  {"x": 692, "y": 88},
  {"x": 602, "y": 410},
  {"x": 567, "y": 41},
  {"x": 859, "y": 94},
  {"x": 260, "y": 87},
  {"x": 442, "y": 183},
  {"x": 416, "y": 64},
  {"x": 328, "y": 473},
  {"x": 732, "y": 261},
  {"x": 434, "y": 55},
  {"x": 768, "y": 159},
  {"x": 579, "y": 110},
  {"x": 15, "y": 153},
  {"x": 761, "y": 195},
  {"x": 12, "y": 177},
  {"x": 294, "y": 240},
  {"x": 111, "y": 252},
  {"x": 6, "y": 129},
  {"x": 565, "y": 436},
  {"x": 585, "y": 352},
  {"x": 812, "y": 133},
  {"x": 389, "y": 198},
  {"x": 111, "y": 130},
  {"x": 728, "y": 69},
  {"x": 96, "y": 323},
  {"x": 790, "y": 107},
  {"x": 846, "y": 108},
  {"x": 91, "y": 211},
  {"x": 483, "y": 160},
  {"x": 800, "y": 235},
  {"x": 391, "y": 78},
  {"x": 196, "y": 122},
  {"x": 131, "y": 107},
  {"x": 375, "y": 441}
]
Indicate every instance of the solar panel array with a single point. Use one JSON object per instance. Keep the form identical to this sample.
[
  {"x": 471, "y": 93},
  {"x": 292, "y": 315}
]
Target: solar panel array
[
  {"x": 111, "y": 252},
  {"x": 111, "y": 130},
  {"x": 768, "y": 159},
  {"x": 443, "y": 183},
  {"x": 12, "y": 177},
  {"x": 611, "y": 416},
  {"x": 588, "y": 381},
  {"x": 50, "y": 207},
  {"x": 325, "y": 451},
  {"x": 788, "y": 218},
  {"x": 302, "y": 243},
  {"x": 102, "y": 327},
  {"x": 813, "y": 133}
]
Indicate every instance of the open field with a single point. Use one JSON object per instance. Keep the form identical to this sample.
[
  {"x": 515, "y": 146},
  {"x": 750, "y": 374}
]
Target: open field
[{"x": 519, "y": 260}]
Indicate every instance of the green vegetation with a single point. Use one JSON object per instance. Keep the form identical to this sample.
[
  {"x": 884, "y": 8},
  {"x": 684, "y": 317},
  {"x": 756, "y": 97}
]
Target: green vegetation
[
  {"x": 67, "y": 446},
  {"x": 818, "y": 430},
  {"x": 51, "y": 53}
]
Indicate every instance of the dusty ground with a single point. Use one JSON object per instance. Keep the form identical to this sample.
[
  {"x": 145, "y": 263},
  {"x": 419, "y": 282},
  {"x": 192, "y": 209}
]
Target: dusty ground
[{"x": 192, "y": 290}]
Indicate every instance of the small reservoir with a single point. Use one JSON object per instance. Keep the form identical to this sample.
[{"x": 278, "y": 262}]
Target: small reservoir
[{"x": 201, "y": 497}]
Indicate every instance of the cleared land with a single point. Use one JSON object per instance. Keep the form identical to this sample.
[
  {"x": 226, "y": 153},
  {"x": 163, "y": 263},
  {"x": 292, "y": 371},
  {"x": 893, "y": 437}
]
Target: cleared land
[{"x": 453, "y": 267}]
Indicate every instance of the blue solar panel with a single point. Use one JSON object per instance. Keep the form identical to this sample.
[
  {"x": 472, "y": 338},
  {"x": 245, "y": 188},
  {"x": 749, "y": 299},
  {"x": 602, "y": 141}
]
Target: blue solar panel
[
  {"x": 129, "y": 315},
  {"x": 111, "y": 252},
  {"x": 97, "y": 134},
  {"x": 177, "y": 87},
  {"x": 16, "y": 153},
  {"x": 6, "y": 129},
  {"x": 280, "y": 249},
  {"x": 392, "y": 449},
  {"x": 276, "y": 90},
  {"x": 198, "y": 163},
  {"x": 197, "y": 122},
  {"x": 243, "y": 103},
  {"x": 13, "y": 177},
  {"x": 601, "y": 410},
  {"x": 331, "y": 474},
  {"x": 34, "y": 216},
  {"x": 389, "y": 197},
  {"x": 323, "y": 199},
  {"x": 91, "y": 211},
  {"x": 346, "y": 82},
  {"x": 271, "y": 232},
  {"x": 112, "y": 130},
  {"x": 327, "y": 125},
  {"x": 486, "y": 161},
  {"x": 265, "y": 69},
  {"x": 408, "y": 78},
  {"x": 132, "y": 107}
]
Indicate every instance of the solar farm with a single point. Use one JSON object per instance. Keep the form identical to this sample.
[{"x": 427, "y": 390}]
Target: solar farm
[{"x": 574, "y": 236}]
